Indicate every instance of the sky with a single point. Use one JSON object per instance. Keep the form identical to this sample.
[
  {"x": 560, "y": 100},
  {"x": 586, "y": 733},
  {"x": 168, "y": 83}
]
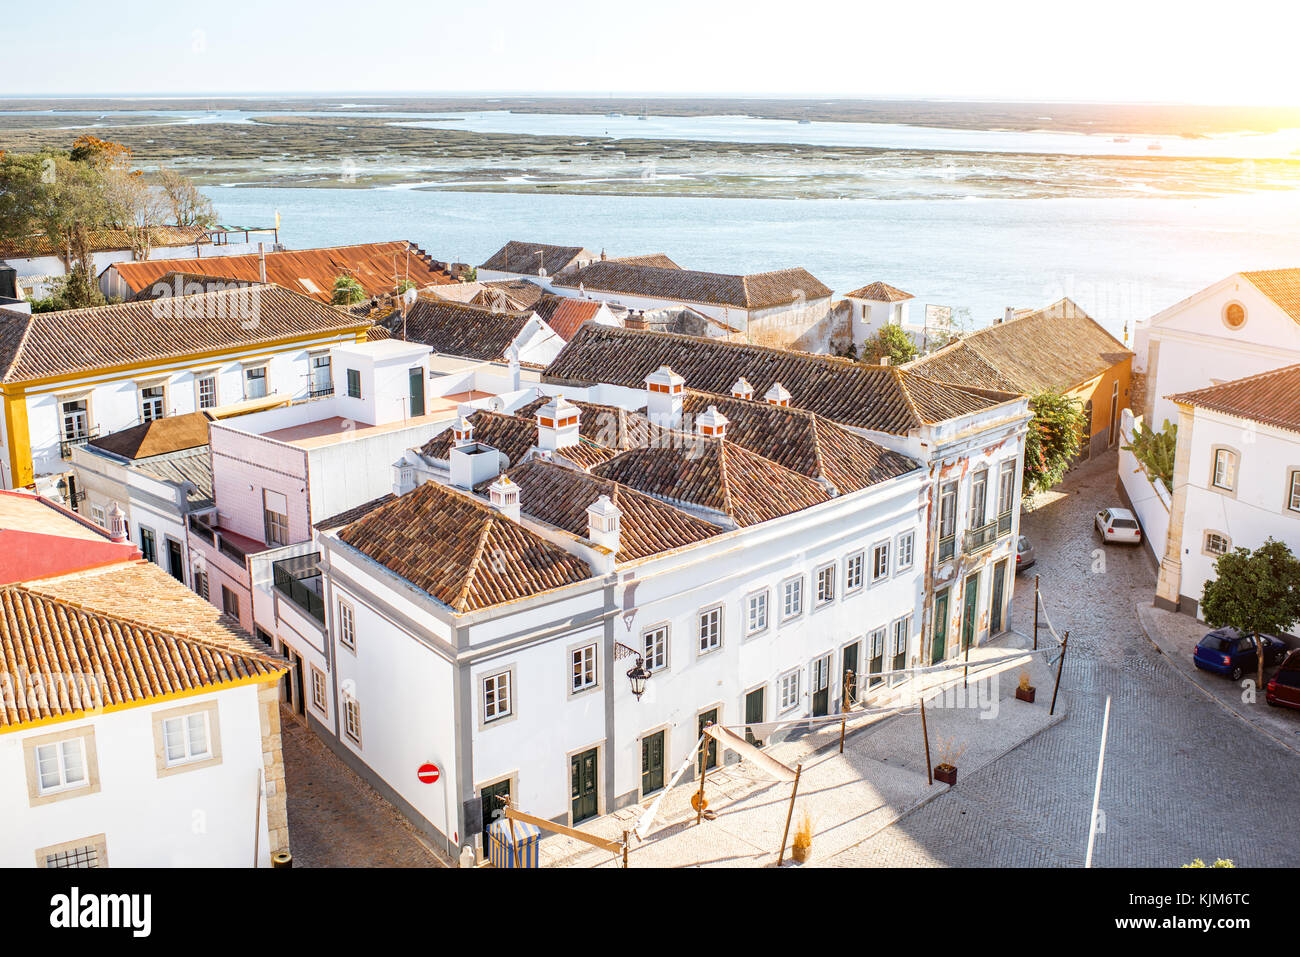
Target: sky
[{"x": 1099, "y": 51}]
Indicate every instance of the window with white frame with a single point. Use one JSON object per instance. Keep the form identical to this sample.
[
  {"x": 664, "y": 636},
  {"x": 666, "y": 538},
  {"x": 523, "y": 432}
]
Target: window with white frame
[
  {"x": 853, "y": 571},
  {"x": 711, "y": 628},
  {"x": 792, "y": 598},
  {"x": 318, "y": 690},
  {"x": 61, "y": 766},
  {"x": 880, "y": 561},
  {"x": 1293, "y": 491},
  {"x": 978, "y": 505},
  {"x": 352, "y": 719},
  {"x": 947, "y": 520},
  {"x": 97, "y": 515},
  {"x": 347, "y": 626},
  {"x": 902, "y": 629},
  {"x": 825, "y": 584},
  {"x": 1007, "y": 487},
  {"x": 185, "y": 739},
  {"x": 207, "y": 391},
  {"x": 255, "y": 382},
  {"x": 496, "y": 696},
  {"x": 905, "y": 552},
  {"x": 756, "y": 613},
  {"x": 75, "y": 419},
  {"x": 1216, "y": 543},
  {"x": 322, "y": 380},
  {"x": 583, "y": 668},
  {"x": 656, "y": 648},
  {"x": 1225, "y": 469},
  {"x": 153, "y": 403},
  {"x": 788, "y": 690}
]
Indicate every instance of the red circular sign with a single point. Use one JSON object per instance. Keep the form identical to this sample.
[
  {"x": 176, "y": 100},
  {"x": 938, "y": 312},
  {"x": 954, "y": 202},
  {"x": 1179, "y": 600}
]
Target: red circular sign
[{"x": 428, "y": 773}]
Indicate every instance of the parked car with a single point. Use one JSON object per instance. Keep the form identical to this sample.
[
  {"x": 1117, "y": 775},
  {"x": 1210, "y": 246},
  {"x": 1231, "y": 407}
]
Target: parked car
[
  {"x": 1024, "y": 553},
  {"x": 1118, "y": 525},
  {"x": 1283, "y": 688},
  {"x": 1226, "y": 652}
]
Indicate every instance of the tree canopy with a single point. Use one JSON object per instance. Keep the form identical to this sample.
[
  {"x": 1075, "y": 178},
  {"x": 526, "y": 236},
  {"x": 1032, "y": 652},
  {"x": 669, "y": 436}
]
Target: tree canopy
[
  {"x": 890, "y": 342},
  {"x": 1052, "y": 441},
  {"x": 347, "y": 291},
  {"x": 1256, "y": 592}
]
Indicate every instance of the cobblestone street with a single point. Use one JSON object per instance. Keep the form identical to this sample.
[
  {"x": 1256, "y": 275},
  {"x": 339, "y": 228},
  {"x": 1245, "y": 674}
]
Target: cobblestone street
[{"x": 1183, "y": 779}]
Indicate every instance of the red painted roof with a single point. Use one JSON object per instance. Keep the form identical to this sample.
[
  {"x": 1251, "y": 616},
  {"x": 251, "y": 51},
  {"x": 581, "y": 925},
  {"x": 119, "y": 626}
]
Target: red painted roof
[{"x": 39, "y": 539}]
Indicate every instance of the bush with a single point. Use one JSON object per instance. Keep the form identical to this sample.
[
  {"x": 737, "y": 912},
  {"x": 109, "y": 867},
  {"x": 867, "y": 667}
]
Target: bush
[{"x": 1155, "y": 450}]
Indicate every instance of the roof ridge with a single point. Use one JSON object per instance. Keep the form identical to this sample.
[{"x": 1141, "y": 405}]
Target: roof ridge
[
  {"x": 472, "y": 572},
  {"x": 1221, "y": 386}
]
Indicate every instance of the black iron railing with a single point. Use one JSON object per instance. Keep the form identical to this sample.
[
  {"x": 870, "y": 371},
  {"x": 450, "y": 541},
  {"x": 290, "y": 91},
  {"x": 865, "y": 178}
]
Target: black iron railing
[
  {"x": 292, "y": 576},
  {"x": 201, "y": 530},
  {"x": 75, "y": 441}
]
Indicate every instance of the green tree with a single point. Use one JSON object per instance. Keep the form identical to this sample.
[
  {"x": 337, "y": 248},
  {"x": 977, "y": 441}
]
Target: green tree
[
  {"x": 347, "y": 291},
  {"x": 188, "y": 206},
  {"x": 1155, "y": 450},
  {"x": 890, "y": 342},
  {"x": 1221, "y": 862},
  {"x": 1254, "y": 592},
  {"x": 1052, "y": 441}
]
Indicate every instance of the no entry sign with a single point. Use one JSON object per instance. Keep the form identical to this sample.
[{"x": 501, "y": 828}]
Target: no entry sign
[{"x": 428, "y": 773}]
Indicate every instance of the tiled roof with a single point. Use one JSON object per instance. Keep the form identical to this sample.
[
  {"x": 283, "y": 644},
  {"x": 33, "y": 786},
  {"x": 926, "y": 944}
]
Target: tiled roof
[
  {"x": 649, "y": 259},
  {"x": 187, "y": 284},
  {"x": 524, "y": 258},
  {"x": 192, "y": 467},
  {"x": 756, "y": 291},
  {"x": 717, "y": 475},
  {"x": 880, "y": 292},
  {"x": 311, "y": 272},
  {"x": 564, "y": 314},
  {"x": 607, "y": 425},
  {"x": 522, "y": 292},
  {"x": 106, "y": 239},
  {"x": 460, "y": 551},
  {"x": 348, "y": 516},
  {"x": 802, "y": 441},
  {"x": 511, "y": 435},
  {"x": 80, "y": 340},
  {"x": 1280, "y": 285},
  {"x": 878, "y": 398},
  {"x": 172, "y": 433},
  {"x": 560, "y": 496},
  {"x": 1053, "y": 349},
  {"x": 144, "y": 632},
  {"x": 459, "y": 329},
  {"x": 1270, "y": 398}
]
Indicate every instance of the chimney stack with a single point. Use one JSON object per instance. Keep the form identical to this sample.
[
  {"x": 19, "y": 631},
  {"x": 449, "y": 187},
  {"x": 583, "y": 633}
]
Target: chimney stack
[
  {"x": 473, "y": 464},
  {"x": 261, "y": 261},
  {"x": 1009, "y": 313},
  {"x": 504, "y": 496},
  {"x": 777, "y": 395},
  {"x": 512, "y": 358},
  {"x": 462, "y": 432},
  {"x": 117, "y": 524},
  {"x": 603, "y": 521},
  {"x": 664, "y": 389},
  {"x": 741, "y": 389},
  {"x": 712, "y": 424},
  {"x": 557, "y": 425}
]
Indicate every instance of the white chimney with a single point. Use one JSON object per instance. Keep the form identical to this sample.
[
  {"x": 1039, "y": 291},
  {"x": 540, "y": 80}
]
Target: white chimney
[
  {"x": 884, "y": 360},
  {"x": 117, "y": 523},
  {"x": 261, "y": 261},
  {"x": 712, "y": 423},
  {"x": 741, "y": 389},
  {"x": 462, "y": 432},
  {"x": 512, "y": 358},
  {"x": 474, "y": 464},
  {"x": 1009, "y": 313},
  {"x": 557, "y": 425},
  {"x": 603, "y": 523},
  {"x": 664, "y": 398},
  {"x": 504, "y": 496},
  {"x": 777, "y": 395}
]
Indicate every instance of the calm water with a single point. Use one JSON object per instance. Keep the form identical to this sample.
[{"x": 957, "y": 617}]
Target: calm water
[{"x": 1121, "y": 259}]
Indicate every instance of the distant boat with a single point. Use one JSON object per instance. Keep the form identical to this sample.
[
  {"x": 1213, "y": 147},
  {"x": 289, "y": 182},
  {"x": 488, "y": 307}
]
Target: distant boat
[
  {"x": 1120, "y": 139},
  {"x": 804, "y": 121},
  {"x": 613, "y": 116}
]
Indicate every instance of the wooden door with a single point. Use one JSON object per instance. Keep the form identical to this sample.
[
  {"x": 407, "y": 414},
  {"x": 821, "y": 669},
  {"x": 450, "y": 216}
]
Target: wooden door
[
  {"x": 995, "y": 605},
  {"x": 821, "y": 686},
  {"x": 754, "y": 714},
  {"x": 970, "y": 610},
  {"x": 584, "y": 769},
  {"x": 710, "y": 745},
  {"x": 652, "y": 762}
]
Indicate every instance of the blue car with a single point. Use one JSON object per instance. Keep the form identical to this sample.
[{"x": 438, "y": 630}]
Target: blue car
[{"x": 1225, "y": 652}]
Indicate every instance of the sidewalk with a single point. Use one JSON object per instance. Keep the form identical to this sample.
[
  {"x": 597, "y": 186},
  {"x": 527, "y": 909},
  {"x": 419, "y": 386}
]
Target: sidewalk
[
  {"x": 880, "y": 777},
  {"x": 1175, "y": 636}
]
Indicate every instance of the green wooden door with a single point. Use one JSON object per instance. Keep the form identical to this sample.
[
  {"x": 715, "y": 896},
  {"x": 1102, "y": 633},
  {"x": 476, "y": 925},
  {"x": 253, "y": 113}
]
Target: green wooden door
[
  {"x": 849, "y": 673},
  {"x": 652, "y": 762},
  {"x": 939, "y": 646},
  {"x": 876, "y": 661},
  {"x": 970, "y": 610},
  {"x": 584, "y": 785},
  {"x": 417, "y": 392},
  {"x": 754, "y": 714},
  {"x": 492, "y": 804},
  {"x": 710, "y": 745},
  {"x": 995, "y": 605}
]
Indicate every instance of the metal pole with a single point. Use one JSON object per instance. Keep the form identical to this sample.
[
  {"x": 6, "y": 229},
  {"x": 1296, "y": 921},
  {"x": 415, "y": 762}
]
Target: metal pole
[
  {"x": 1035, "y": 611},
  {"x": 925, "y": 730},
  {"x": 699, "y": 797},
  {"x": 785, "y": 836},
  {"x": 844, "y": 707},
  {"x": 625, "y": 850},
  {"x": 1060, "y": 666}
]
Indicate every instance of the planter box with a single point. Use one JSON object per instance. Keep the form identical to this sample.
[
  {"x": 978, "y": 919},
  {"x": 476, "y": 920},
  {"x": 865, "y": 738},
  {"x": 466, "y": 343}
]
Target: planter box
[
  {"x": 945, "y": 773},
  {"x": 1026, "y": 695}
]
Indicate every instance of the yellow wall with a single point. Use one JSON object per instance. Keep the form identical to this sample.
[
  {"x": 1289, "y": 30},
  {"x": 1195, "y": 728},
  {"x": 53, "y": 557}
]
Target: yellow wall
[{"x": 1098, "y": 390}]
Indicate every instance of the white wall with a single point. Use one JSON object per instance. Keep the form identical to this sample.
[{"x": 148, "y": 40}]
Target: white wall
[{"x": 1148, "y": 497}]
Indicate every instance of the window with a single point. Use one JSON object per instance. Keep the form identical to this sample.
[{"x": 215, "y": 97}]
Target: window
[
  {"x": 61, "y": 766},
  {"x": 1225, "y": 469},
  {"x": 152, "y": 401},
  {"x": 347, "y": 626},
  {"x": 825, "y": 584},
  {"x": 207, "y": 391},
  {"x": 201, "y": 584},
  {"x": 148, "y": 544},
  {"x": 656, "y": 648},
  {"x": 318, "y": 690},
  {"x": 76, "y": 419},
  {"x": 275, "y": 517},
  {"x": 880, "y": 562},
  {"x": 86, "y": 852},
  {"x": 902, "y": 631},
  {"x": 255, "y": 382},
  {"x": 788, "y": 688},
  {"x": 947, "y": 520},
  {"x": 710, "y": 629},
  {"x": 979, "y": 487},
  {"x": 352, "y": 719},
  {"x": 185, "y": 739},
  {"x": 496, "y": 696},
  {"x": 1216, "y": 543},
  {"x": 97, "y": 515},
  {"x": 583, "y": 668},
  {"x": 792, "y": 598},
  {"x": 354, "y": 384},
  {"x": 1234, "y": 315},
  {"x": 1007, "y": 493},
  {"x": 1293, "y": 491},
  {"x": 756, "y": 613},
  {"x": 229, "y": 602},
  {"x": 853, "y": 571},
  {"x": 904, "y": 553},
  {"x": 322, "y": 383}
]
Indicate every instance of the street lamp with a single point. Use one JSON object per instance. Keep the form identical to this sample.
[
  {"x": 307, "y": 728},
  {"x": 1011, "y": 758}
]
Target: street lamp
[{"x": 638, "y": 674}]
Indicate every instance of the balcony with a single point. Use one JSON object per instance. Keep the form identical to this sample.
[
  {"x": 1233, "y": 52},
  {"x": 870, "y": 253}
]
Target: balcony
[
  {"x": 298, "y": 579},
  {"x": 978, "y": 539},
  {"x": 202, "y": 530},
  {"x": 320, "y": 391},
  {"x": 67, "y": 445},
  {"x": 947, "y": 546}
]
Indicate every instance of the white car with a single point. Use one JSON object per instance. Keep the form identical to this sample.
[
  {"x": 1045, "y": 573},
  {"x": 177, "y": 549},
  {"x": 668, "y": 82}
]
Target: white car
[{"x": 1118, "y": 525}]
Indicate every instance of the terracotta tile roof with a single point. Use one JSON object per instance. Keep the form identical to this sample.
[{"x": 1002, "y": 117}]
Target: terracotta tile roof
[
  {"x": 311, "y": 272},
  {"x": 460, "y": 329},
  {"x": 132, "y": 623},
  {"x": 1053, "y": 349},
  {"x": 172, "y": 433},
  {"x": 802, "y": 441},
  {"x": 610, "y": 426},
  {"x": 560, "y": 496},
  {"x": 80, "y": 340},
  {"x": 1270, "y": 398},
  {"x": 521, "y": 293},
  {"x": 348, "y": 516},
  {"x": 564, "y": 314},
  {"x": 106, "y": 239},
  {"x": 880, "y": 292},
  {"x": 717, "y": 475},
  {"x": 649, "y": 259},
  {"x": 187, "y": 284},
  {"x": 1280, "y": 285},
  {"x": 877, "y": 398},
  {"x": 480, "y": 558},
  {"x": 524, "y": 258},
  {"x": 511, "y": 435},
  {"x": 756, "y": 291}
]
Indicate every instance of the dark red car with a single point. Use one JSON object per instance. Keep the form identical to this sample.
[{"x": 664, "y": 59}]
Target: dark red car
[{"x": 1284, "y": 687}]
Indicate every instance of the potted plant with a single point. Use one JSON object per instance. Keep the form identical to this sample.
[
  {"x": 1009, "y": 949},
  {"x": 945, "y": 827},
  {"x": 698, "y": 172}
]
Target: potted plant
[
  {"x": 801, "y": 850},
  {"x": 946, "y": 769},
  {"x": 1025, "y": 691}
]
